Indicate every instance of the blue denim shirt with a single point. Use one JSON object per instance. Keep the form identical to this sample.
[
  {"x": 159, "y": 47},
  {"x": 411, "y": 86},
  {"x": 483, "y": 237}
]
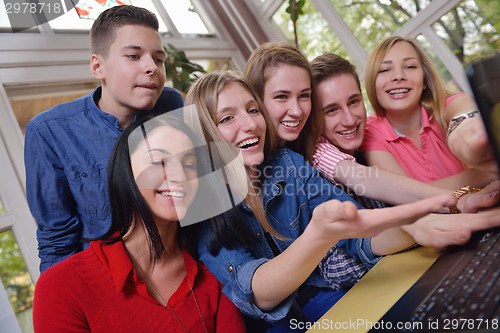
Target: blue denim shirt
[
  {"x": 66, "y": 155},
  {"x": 291, "y": 189}
]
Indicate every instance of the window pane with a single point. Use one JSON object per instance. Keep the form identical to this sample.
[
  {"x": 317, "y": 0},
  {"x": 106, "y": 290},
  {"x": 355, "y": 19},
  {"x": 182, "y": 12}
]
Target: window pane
[
  {"x": 314, "y": 35},
  {"x": 4, "y": 18},
  {"x": 450, "y": 83},
  {"x": 185, "y": 17},
  {"x": 372, "y": 21},
  {"x": 29, "y": 100},
  {"x": 90, "y": 9},
  {"x": 471, "y": 30},
  {"x": 216, "y": 64},
  {"x": 16, "y": 280}
]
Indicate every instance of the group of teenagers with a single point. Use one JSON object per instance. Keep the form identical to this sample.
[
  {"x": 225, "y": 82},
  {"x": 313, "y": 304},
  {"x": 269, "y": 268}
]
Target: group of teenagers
[{"x": 112, "y": 175}]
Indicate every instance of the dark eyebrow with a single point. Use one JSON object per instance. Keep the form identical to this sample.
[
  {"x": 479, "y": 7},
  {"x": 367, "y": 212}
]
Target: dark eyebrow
[
  {"x": 158, "y": 149},
  {"x": 166, "y": 152},
  {"x": 336, "y": 104},
  {"x": 161, "y": 52},
  {"x": 134, "y": 47},
  {"x": 405, "y": 59},
  {"x": 250, "y": 102},
  {"x": 330, "y": 105},
  {"x": 281, "y": 92},
  {"x": 137, "y": 47},
  {"x": 227, "y": 108}
]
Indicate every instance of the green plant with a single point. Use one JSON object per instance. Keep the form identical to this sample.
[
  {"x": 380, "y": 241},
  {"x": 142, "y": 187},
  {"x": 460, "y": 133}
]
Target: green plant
[
  {"x": 295, "y": 10},
  {"x": 13, "y": 273},
  {"x": 180, "y": 70}
]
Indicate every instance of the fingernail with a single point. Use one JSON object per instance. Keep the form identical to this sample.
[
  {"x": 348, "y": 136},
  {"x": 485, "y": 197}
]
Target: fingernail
[{"x": 494, "y": 194}]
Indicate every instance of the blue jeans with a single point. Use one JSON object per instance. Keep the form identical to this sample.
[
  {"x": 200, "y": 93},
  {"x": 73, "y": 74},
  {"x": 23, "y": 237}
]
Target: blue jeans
[{"x": 316, "y": 307}]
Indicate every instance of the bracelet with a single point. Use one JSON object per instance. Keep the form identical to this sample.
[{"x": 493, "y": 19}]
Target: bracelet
[
  {"x": 458, "y": 119},
  {"x": 460, "y": 193}
]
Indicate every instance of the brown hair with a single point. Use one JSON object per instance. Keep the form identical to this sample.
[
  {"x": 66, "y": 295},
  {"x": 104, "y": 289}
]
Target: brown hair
[
  {"x": 330, "y": 65},
  {"x": 103, "y": 31},
  {"x": 203, "y": 95},
  {"x": 275, "y": 54},
  {"x": 433, "y": 98}
]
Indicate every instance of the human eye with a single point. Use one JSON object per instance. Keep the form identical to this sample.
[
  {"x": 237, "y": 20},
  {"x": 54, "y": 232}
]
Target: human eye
[
  {"x": 157, "y": 162},
  {"x": 160, "y": 58},
  {"x": 132, "y": 56},
  {"x": 383, "y": 70},
  {"x": 225, "y": 119},
  {"x": 280, "y": 97},
  {"x": 331, "y": 111},
  {"x": 354, "y": 102},
  {"x": 190, "y": 162},
  {"x": 189, "y": 165},
  {"x": 253, "y": 111},
  {"x": 305, "y": 96}
]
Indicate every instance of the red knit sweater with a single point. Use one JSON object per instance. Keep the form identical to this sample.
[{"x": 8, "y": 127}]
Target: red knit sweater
[{"x": 98, "y": 290}]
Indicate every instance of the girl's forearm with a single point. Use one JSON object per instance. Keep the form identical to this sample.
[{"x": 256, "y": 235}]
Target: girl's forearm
[{"x": 383, "y": 185}]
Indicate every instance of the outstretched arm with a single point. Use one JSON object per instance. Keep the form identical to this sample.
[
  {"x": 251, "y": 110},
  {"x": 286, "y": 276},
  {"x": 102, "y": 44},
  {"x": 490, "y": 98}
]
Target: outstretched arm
[
  {"x": 383, "y": 185},
  {"x": 386, "y": 161},
  {"x": 332, "y": 221}
]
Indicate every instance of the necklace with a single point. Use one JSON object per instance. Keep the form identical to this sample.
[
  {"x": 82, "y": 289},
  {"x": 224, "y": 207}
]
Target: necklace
[{"x": 166, "y": 304}]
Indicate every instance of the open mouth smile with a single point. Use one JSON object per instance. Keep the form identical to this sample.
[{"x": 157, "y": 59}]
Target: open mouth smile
[
  {"x": 398, "y": 91},
  {"x": 173, "y": 194},
  {"x": 248, "y": 143},
  {"x": 349, "y": 132},
  {"x": 290, "y": 124}
]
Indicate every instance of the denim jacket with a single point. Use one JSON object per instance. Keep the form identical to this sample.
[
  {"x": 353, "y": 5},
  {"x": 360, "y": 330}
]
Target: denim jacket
[
  {"x": 291, "y": 189},
  {"x": 66, "y": 155}
]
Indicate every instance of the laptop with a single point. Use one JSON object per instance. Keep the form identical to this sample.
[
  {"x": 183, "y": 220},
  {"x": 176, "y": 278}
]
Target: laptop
[{"x": 460, "y": 292}]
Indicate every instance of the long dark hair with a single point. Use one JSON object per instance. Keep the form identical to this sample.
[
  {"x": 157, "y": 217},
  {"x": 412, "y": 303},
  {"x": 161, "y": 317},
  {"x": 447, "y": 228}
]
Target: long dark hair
[{"x": 127, "y": 204}]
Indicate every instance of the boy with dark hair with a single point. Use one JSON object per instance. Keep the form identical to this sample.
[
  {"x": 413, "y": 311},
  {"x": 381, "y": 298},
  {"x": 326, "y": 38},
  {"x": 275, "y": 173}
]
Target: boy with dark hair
[{"x": 68, "y": 146}]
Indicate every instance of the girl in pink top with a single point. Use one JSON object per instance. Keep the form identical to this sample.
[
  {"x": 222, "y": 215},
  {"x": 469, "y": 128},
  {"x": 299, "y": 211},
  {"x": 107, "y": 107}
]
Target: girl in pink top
[{"x": 407, "y": 135}]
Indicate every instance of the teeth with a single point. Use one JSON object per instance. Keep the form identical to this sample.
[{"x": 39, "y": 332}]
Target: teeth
[
  {"x": 290, "y": 124},
  {"x": 248, "y": 142},
  {"x": 354, "y": 130},
  {"x": 398, "y": 91},
  {"x": 173, "y": 194}
]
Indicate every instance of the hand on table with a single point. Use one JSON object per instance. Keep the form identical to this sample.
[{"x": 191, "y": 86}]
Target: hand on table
[{"x": 486, "y": 198}]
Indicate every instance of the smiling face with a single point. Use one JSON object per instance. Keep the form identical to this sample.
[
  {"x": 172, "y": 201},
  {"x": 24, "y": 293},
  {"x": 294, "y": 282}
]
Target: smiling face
[
  {"x": 400, "y": 81},
  {"x": 287, "y": 97},
  {"x": 240, "y": 122},
  {"x": 343, "y": 111},
  {"x": 164, "y": 166},
  {"x": 133, "y": 73}
]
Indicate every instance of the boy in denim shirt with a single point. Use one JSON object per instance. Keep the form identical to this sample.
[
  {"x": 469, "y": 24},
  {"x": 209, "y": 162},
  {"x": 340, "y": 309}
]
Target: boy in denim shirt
[{"x": 68, "y": 146}]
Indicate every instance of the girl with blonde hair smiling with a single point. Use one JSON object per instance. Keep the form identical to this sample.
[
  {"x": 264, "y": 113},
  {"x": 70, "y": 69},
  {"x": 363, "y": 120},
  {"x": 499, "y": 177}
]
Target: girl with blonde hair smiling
[{"x": 410, "y": 132}]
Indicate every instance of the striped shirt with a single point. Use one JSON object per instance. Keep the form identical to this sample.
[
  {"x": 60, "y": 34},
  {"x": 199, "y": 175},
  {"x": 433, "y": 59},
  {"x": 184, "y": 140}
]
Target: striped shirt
[{"x": 326, "y": 157}]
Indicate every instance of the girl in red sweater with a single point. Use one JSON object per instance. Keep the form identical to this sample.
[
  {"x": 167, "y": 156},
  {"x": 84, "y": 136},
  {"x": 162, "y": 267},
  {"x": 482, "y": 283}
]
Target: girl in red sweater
[{"x": 140, "y": 276}]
